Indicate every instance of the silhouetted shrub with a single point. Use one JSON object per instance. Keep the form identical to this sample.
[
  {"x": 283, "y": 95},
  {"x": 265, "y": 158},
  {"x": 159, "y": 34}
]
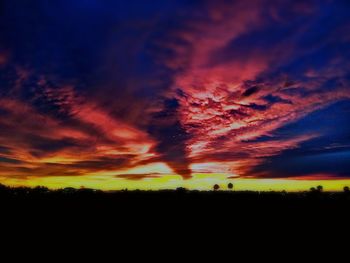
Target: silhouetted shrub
[
  {"x": 320, "y": 188},
  {"x": 181, "y": 190},
  {"x": 216, "y": 187},
  {"x": 346, "y": 189},
  {"x": 40, "y": 190},
  {"x": 69, "y": 190},
  {"x": 230, "y": 186}
]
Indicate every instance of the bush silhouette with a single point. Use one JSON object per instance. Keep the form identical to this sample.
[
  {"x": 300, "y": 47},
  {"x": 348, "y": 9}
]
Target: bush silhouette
[
  {"x": 346, "y": 189},
  {"x": 40, "y": 190},
  {"x": 216, "y": 187},
  {"x": 230, "y": 186},
  {"x": 181, "y": 190},
  {"x": 312, "y": 189},
  {"x": 320, "y": 188}
]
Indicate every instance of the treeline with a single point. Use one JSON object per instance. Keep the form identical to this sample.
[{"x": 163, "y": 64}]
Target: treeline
[
  {"x": 125, "y": 204},
  {"x": 216, "y": 191}
]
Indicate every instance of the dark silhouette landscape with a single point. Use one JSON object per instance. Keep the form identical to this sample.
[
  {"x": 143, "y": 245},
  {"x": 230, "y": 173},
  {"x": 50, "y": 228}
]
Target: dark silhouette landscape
[
  {"x": 179, "y": 213},
  {"x": 179, "y": 201}
]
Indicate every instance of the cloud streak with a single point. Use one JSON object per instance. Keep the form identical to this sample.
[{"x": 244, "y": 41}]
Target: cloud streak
[{"x": 107, "y": 87}]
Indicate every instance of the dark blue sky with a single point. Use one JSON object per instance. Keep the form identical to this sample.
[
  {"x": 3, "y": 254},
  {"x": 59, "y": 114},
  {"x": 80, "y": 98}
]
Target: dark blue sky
[{"x": 259, "y": 88}]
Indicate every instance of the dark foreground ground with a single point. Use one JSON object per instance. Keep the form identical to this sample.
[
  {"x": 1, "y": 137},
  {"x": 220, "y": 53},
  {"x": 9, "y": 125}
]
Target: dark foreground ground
[
  {"x": 174, "y": 213},
  {"x": 219, "y": 222},
  {"x": 177, "y": 202}
]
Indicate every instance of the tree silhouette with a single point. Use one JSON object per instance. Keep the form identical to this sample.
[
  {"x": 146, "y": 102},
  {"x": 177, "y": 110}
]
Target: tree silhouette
[
  {"x": 216, "y": 187},
  {"x": 313, "y": 189},
  {"x": 40, "y": 190},
  {"x": 320, "y": 188},
  {"x": 346, "y": 189},
  {"x": 230, "y": 186},
  {"x": 181, "y": 190}
]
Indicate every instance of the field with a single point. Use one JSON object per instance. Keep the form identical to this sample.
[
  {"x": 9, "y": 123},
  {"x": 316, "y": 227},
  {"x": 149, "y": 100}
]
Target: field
[
  {"x": 173, "y": 213},
  {"x": 212, "y": 202}
]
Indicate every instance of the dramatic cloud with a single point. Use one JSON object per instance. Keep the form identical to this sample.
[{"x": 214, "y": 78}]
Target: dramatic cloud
[
  {"x": 243, "y": 88},
  {"x": 137, "y": 176}
]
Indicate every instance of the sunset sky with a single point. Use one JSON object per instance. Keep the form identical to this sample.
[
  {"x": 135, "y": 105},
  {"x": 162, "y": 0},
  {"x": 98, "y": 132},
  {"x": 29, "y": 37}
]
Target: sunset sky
[{"x": 139, "y": 94}]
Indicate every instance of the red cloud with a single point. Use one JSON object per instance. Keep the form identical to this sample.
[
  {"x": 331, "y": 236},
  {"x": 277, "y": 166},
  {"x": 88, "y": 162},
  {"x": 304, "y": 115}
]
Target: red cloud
[
  {"x": 224, "y": 102},
  {"x": 207, "y": 99}
]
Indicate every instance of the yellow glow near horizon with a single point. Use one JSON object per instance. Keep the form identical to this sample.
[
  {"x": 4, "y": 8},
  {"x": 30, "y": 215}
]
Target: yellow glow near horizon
[{"x": 171, "y": 181}]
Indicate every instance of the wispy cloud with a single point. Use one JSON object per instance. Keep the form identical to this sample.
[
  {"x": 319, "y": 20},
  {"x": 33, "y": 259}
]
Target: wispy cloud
[{"x": 198, "y": 86}]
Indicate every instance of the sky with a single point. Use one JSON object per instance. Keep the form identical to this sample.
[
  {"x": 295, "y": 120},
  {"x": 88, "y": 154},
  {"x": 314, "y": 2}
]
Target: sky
[{"x": 139, "y": 94}]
